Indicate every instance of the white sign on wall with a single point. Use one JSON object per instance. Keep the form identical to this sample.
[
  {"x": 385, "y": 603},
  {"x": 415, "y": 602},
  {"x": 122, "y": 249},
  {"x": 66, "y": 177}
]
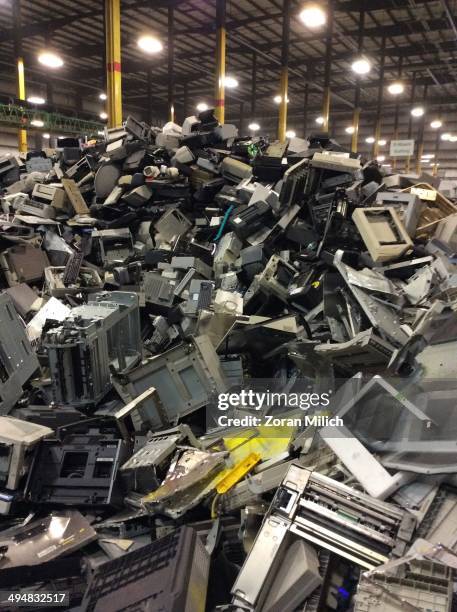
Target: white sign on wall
[{"x": 401, "y": 148}]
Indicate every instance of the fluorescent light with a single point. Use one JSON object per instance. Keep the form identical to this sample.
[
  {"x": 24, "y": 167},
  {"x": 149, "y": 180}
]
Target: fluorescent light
[
  {"x": 101, "y": 133},
  {"x": 396, "y": 88},
  {"x": 46, "y": 135},
  {"x": 436, "y": 124},
  {"x": 370, "y": 140},
  {"x": 36, "y": 100},
  {"x": 313, "y": 16},
  {"x": 230, "y": 82},
  {"x": 103, "y": 115},
  {"x": 278, "y": 99},
  {"x": 350, "y": 129},
  {"x": 381, "y": 158},
  {"x": 149, "y": 44},
  {"x": 103, "y": 96},
  {"x": 202, "y": 106},
  {"x": 453, "y": 139},
  {"x": 50, "y": 59},
  {"x": 290, "y": 134},
  {"x": 60, "y": 137},
  {"x": 382, "y": 143},
  {"x": 320, "y": 120},
  {"x": 417, "y": 111},
  {"x": 361, "y": 66},
  {"x": 446, "y": 136},
  {"x": 37, "y": 123},
  {"x": 428, "y": 156},
  {"x": 254, "y": 127}
]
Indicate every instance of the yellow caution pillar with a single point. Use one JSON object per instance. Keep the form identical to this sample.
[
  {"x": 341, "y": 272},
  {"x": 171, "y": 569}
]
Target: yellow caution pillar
[
  {"x": 219, "y": 97},
  {"x": 113, "y": 61},
  {"x": 20, "y": 73},
  {"x": 171, "y": 67},
  {"x": 22, "y": 133},
  {"x": 327, "y": 68},
  {"x": 284, "y": 86},
  {"x": 355, "y": 125}
]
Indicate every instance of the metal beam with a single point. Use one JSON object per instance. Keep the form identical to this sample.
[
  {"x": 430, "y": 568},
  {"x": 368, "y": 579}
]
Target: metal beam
[
  {"x": 219, "y": 101},
  {"x": 254, "y": 85},
  {"x": 20, "y": 74},
  {"x": 38, "y": 27},
  {"x": 377, "y": 131},
  {"x": 374, "y": 5},
  {"x": 282, "y": 123},
  {"x": 113, "y": 61},
  {"x": 450, "y": 16},
  {"x": 356, "y": 116},
  {"x": 328, "y": 67},
  {"x": 171, "y": 67}
]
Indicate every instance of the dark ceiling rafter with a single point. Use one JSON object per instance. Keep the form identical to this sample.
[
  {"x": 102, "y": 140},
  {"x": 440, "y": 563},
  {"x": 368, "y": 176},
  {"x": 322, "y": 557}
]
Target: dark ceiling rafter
[{"x": 419, "y": 32}]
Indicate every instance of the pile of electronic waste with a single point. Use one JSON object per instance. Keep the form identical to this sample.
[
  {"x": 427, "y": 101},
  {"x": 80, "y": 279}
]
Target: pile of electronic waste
[{"x": 162, "y": 291}]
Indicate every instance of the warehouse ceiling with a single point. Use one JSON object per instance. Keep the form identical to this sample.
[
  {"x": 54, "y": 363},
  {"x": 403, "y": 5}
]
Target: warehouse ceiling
[{"x": 420, "y": 44}]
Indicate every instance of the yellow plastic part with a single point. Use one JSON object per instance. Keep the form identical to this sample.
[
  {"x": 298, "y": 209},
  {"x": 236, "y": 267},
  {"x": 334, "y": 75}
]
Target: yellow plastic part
[{"x": 237, "y": 473}]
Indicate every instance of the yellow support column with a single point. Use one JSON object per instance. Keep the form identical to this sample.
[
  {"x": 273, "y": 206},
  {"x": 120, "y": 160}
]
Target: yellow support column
[
  {"x": 282, "y": 125},
  {"x": 113, "y": 61},
  {"x": 219, "y": 101},
  {"x": 377, "y": 135},
  {"x": 355, "y": 134},
  {"x": 171, "y": 67},
  {"x": 326, "y": 110},
  {"x": 20, "y": 75},
  {"x": 328, "y": 68},
  {"x": 22, "y": 134},
  {"x": 420, "y": 152}
]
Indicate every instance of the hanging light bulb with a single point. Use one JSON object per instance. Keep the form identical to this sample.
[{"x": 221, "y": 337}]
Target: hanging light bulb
[
  {"x": 313, "y": 16},
  {"x": 361, "y": 66},
  {"x": 396, "y": 88}
]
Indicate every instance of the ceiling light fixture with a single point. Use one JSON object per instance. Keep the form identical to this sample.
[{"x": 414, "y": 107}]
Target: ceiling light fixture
[
  {"x": 103, "y": 96},
  {"x": 37, "y": 123},
  {"x": 149, "y": 44},
  {"x": 361, "y": 66},
  {"x": 202, "y": 106},
  {"x": 370, "y": 140},
  {"x": 436, "y": 124},
  {"x": 230, "y": 82},
  {"x": 254, "y": 127},
  {"x": 36, "y": 100},
  {"x": 103, "y": 115},
  {"x": 350, "y": 129},
  {"x": 313, "y": 16},
  {"x": 381, "y": 158},
  {"x": 50, "y": 59},
  {"x": 417, "y": 111},
  {"x": 382, "y": 142},
  {"x": 446, "y": 136},
  {"x": 46, "y": 136},
  {"x": 320, "y": 120},
  {"x": 396, "y": 88},
  {"x": 278, "y": 99},
  {"x": 290, "y": 134}
]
